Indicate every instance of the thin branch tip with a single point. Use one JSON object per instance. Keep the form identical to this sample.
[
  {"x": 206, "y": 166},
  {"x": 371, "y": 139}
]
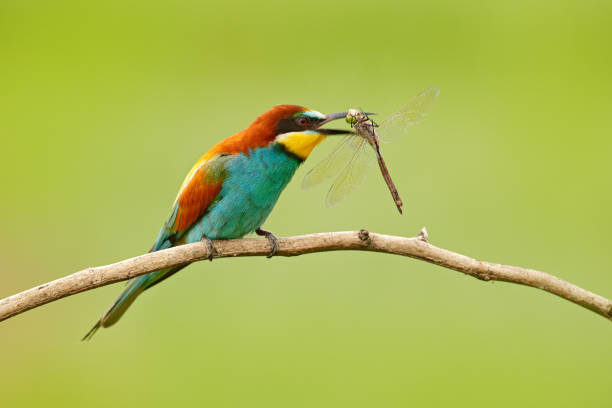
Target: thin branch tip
[{"x": 423, "y": 235}]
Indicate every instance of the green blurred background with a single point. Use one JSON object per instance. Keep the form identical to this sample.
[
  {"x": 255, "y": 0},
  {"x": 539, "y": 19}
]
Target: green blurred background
[{"x": 105, "y": 107}]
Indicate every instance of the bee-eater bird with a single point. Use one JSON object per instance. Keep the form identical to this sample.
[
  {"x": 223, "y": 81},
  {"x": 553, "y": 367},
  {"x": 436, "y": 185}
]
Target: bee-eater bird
[{"x": 231, "y": 190}]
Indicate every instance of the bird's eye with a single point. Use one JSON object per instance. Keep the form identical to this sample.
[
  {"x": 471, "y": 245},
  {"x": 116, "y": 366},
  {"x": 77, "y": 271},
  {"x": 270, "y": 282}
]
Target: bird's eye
[{"x": 302, "y": 121}]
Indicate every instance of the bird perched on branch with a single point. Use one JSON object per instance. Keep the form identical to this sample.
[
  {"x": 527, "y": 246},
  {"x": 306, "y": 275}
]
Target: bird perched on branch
[{"x": 231, "y": 190}]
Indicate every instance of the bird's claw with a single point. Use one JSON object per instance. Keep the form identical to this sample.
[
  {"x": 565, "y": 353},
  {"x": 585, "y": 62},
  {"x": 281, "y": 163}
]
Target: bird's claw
[
  {"x": 209, "y": 247},
  {"x": 271, "y": 238}
]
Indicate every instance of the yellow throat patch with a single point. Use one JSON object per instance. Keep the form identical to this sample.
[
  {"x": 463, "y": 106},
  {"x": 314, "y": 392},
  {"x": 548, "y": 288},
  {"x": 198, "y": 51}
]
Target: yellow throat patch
[{"x": 301, "y": 143}]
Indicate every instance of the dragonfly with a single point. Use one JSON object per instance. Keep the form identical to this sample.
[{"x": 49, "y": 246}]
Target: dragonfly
[{"x": 350, "y": 161}]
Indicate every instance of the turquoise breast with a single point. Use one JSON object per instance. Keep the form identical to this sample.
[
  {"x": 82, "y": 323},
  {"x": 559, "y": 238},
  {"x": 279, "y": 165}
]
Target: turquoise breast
[{"x": 250, "y": 190}]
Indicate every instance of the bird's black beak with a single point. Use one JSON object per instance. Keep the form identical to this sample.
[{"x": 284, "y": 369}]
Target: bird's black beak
[
  {"x": 338, "y": 115},
  {"x": 328, "y": 118},
  {"x": 333, "y": 116}
]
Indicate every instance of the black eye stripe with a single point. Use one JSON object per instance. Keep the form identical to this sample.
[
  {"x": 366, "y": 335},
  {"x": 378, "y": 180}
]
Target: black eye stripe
[
  {"x": 295, "y": 124},
  {"x": 286, "y": 126}
]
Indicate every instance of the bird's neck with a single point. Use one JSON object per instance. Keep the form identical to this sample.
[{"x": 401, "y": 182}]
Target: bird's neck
[{"x": 300, "y": 144}]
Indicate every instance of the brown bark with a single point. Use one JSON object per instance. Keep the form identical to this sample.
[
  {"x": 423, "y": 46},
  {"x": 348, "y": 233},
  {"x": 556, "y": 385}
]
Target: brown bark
[{"x": 417, "y": 247}]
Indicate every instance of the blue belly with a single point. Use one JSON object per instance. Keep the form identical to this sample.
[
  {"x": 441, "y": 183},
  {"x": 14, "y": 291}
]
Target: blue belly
[{"x": 249, "y": 192}]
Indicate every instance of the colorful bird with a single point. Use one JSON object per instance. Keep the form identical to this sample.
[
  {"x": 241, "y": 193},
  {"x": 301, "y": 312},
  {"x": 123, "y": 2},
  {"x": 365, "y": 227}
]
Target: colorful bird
[{"x": 231, "y": 190}]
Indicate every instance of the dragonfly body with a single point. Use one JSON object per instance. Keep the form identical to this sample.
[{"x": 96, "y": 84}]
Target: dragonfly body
[
  {"x": 348, "y": 163},
  {"x": 366, "y": 128}
]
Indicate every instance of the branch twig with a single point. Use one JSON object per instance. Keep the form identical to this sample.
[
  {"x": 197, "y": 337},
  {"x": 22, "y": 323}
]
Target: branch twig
[{"x": 417, "y": 247}]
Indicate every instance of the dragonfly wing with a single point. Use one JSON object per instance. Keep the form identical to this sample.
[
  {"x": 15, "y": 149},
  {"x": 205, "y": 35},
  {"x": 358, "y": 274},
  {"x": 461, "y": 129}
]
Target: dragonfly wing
[
  {"x": 353, "y": 173},
  {"x": 332, "y": 164},
  {"x": 397, "y": 124}
]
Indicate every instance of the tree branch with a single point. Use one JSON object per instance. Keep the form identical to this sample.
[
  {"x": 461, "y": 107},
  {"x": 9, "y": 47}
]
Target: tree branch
[{"x": 417, "y": 247}]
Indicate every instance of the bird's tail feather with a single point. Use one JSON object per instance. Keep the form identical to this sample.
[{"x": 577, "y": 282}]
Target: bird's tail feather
[{"x": 135, "y": 288}]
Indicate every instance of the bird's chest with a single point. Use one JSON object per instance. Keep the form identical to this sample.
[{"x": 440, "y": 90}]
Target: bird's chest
[
  {"x": 259, "y": 178},
  {"x": 251, "y": 187}
]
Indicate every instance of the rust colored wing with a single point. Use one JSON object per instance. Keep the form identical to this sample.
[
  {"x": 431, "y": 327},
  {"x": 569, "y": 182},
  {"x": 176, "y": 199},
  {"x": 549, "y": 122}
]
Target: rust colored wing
[{"x": 196, "y": 196}]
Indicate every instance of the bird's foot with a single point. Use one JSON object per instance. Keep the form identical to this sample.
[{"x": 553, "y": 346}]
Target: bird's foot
[
  {"x": 209, "y": 247},
  {"x": 271, "y": 238}
]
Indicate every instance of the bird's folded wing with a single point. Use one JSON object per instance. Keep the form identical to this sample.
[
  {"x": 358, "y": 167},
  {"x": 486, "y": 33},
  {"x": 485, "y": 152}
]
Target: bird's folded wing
[{"x": 198, "y": 194}]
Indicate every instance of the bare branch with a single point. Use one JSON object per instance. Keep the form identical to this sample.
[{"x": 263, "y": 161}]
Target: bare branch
[{"x": 417, "y": 247}]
